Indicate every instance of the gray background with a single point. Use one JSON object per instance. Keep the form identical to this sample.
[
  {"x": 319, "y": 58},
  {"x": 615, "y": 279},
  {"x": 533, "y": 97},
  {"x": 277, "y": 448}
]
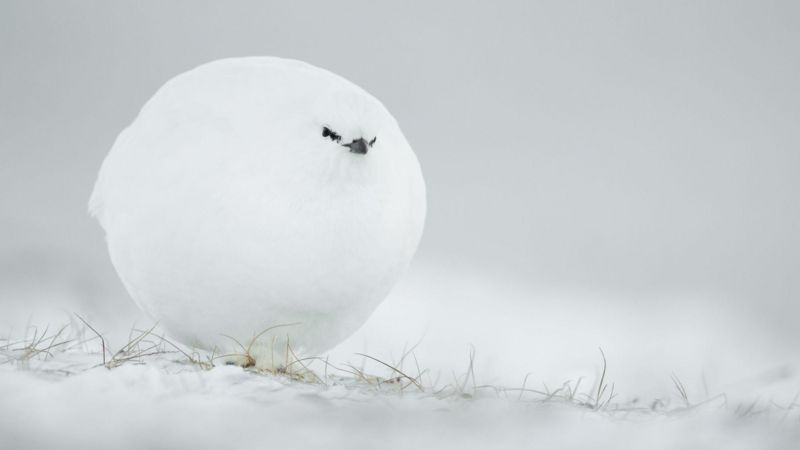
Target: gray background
[{"x": 629, "y": 148}]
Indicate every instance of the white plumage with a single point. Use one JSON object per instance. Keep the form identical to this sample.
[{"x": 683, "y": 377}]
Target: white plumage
[{"x": 230, "y": 207}]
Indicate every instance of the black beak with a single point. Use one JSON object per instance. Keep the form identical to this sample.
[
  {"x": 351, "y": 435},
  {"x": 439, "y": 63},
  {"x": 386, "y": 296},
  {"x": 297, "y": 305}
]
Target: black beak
[{"x": 359, "y": 146}]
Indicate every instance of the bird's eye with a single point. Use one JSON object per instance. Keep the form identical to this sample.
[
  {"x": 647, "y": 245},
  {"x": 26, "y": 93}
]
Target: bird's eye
[
  {"x": 330, "y": 134},
  {"x": 373, "y": 141}
]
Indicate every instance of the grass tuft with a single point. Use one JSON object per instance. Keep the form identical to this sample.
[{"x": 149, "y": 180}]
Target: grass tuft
[{"x": 38, "y": 350}]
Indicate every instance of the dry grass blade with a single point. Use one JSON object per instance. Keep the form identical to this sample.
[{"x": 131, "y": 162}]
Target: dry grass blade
[
  {"x": 244, "y": 349},
  {"x": 601, "y": 387},
  {"x": 470, "y": 371},
  {"x": 398, "y": 371},
  {"x": 611, "y": 396},
  {"x": 255, "y": 338},
  {"x": 305, "y": 368},
  {"x": 102, "y": 341},
  {"x": 357, "y": 372},
  {"x": 681, "y": 389},
  {"x": 327, "y": 364},
  {"x": 53, "y": 341},
  {"x": 248, "y": 360},
  {"x": 202, "y": 364},
  {"x": 522, "y": 389},
  {"x": 135, "y": 341},
  {"x": 34, "y": 347}
]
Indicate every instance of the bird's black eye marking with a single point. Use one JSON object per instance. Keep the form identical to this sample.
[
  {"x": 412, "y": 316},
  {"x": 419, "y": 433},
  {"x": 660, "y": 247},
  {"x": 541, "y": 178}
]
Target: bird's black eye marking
[
  {"x": 373, "y": 141},
  {"x": 332, "y": 135}
]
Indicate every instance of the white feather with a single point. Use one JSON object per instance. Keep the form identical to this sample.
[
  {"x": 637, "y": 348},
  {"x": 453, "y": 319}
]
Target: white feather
[{"x": 227, "y": 212}]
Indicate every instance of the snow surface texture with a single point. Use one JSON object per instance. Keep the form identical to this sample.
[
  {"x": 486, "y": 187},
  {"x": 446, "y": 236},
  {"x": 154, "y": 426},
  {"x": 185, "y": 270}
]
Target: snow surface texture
[
  {"x": 163, "y": 405},
  {"x": 740, "y": 390}
]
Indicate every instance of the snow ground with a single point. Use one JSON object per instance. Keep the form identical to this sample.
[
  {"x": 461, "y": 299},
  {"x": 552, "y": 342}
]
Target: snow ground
[
  {"x": 162, "y": 404},
  {"x": 741, "y": 382}
]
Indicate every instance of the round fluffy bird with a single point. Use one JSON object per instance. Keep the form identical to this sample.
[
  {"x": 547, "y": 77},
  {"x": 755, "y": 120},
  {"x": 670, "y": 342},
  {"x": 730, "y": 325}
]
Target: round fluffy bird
[{"x": 263, "y": 202}]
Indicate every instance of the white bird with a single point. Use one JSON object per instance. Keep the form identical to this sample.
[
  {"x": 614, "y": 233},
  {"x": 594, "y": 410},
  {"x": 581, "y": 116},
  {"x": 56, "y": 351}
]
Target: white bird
[{"x": 252, "y": 193}]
